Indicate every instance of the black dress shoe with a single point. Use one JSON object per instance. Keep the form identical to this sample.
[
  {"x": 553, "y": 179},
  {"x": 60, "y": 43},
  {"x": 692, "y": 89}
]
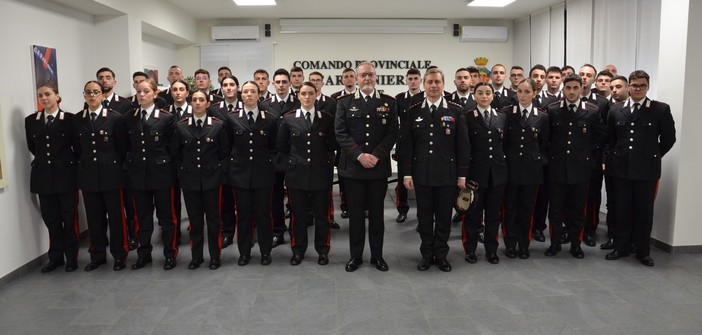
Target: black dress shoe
[
  {"x": 444, "y": 265},
  {"x": 277, "y": 240},
  {"x": 133, "y": 244},
  {"x": 492, "y": 258},
  {"x": 243, "y": 260},
  {"x": 577, "y": 252},
  {"x": 169, "y": 264},
  {"x": 195, "y": 263},
  {"x": 538, "y": 235},
  {"x": 323, "y": 259},
  {"x": 353, "y": 264},
  {"x": 614, "y": 255},
  {"x": 296, "y": 259},
  {"x": 71, "y": 266},
  {"x": 564, "y": 237},
  {"x": 523, "y": 253},
  {"x": 471, "y": 258},
  {"x": 511, "y": 253},
  {"x": 215, "y": 263},
  {"x": 344, "y": 214},
  {"x": 645, "y": 260},
  {"x": 51, "y": 266},
  {"x": 334, "y": 225},
  {"x": 93, "y": 265},
  {"x": 227, "y": 241},
  {"x": 119, "y": 265},
  {"x": 140, "y": 263},
  {"x": 589, "y": 241},
  {"x": 379, "y": 264},
  {"x": 609, "y": 245},
  {"x": 424, "y": 264},
  {"x": 402, "y": 217},
  {"x": 553, "y": 250},
  {"x": 266, "y": 259},
  {"x": 457, "y": 217}
]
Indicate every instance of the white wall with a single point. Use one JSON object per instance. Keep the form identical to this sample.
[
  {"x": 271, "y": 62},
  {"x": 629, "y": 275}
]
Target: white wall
[
  {"x": 445, "y": 51},
  {"x": 24, "y": 235},
  {"x": 160, "y": 54}
]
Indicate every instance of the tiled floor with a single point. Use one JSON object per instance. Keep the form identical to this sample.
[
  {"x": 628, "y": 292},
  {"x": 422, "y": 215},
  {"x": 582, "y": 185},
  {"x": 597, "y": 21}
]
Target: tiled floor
[{"x": 541, "y": 295}]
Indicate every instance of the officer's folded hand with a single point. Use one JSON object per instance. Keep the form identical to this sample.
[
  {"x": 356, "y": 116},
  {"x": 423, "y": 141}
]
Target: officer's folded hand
[
  {"x": 461, "y": 183},
  {"x": 409, "y": 183}
]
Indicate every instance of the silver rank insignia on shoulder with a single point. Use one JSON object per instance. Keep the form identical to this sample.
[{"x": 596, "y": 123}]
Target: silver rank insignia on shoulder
[{"x": 419, "y": 119}]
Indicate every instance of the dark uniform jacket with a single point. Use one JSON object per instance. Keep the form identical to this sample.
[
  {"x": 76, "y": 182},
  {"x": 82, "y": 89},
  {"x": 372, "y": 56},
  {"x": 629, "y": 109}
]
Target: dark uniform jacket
[
  {"x": 119, "y": 104},
  {"x": 638, "y": 142},
  {"x": 543, "y": 99},
  {"x": 573, "y": 138},
  {"x": 436, "y": 150},
  {"x": 455, "y": 98},
  {"x": 166, "y": 95},
  {"x": 275, "y": 107},
  {"x": 339, "y": 94},
  {"x": 54, "y": 164},
  {"x": 200, "y": 154},
  {"x": 307, "y": 153},
  {"x": 326, "y": 104},
  {"x": 503, "y": 98},
  {"x": 187, "y": 112},
  {"x": 404, "y": 101},
  {"x": 365, "y": 128},
  {"x": 250, "y": 164},
  {"x": 487, "y": 159},
  {"x": 101, "y": 147},
  {"x": 526, "y": 145},
  {"x": 150, "y": 165}
]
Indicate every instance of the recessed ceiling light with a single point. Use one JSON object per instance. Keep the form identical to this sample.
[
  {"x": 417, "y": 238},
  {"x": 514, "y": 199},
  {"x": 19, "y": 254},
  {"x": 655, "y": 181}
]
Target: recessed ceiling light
[
  {"x": 255, "y": 2},
  {"x": 490, "y": 3}
]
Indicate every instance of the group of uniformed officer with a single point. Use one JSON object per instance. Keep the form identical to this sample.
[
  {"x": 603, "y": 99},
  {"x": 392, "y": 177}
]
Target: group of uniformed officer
[{"x": 235, "y": 153}]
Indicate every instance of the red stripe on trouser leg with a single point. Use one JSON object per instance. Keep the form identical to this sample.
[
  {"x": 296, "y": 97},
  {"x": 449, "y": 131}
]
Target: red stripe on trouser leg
[
  {"x": 293, "y": 219},
  {"x": 330, "y": 211},
  {"x": 136, "y": 215},
  {"x": 174, "y": 218},
  {"x": 531, "y": 217},
  {"x": 125, "y": 234}
]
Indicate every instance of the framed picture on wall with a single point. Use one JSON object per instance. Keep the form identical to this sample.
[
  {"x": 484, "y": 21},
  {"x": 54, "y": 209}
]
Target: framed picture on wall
[{"x": 45, "y": 70}]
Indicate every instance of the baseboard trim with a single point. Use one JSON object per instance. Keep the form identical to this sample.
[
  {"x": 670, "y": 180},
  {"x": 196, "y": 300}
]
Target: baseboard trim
[{"x": 683, "y": 249}]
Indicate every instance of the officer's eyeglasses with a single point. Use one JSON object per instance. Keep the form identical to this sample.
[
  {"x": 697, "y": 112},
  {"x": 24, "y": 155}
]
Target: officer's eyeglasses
[
  {"x": 367, "y": 74},
  {"x": 92, "y": 93},
  {"x": 638, "y": 87}
]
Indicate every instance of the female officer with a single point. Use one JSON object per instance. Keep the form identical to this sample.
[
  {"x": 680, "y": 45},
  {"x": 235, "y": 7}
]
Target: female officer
[
  {"x": 151, "y": 174},
  {"x": 250, "y": 171},
  {"x": 525, "y": 147},
  {"x": 49, "y": 135},
  {"x": 486, "y": 130},
  {"x": 306, "y": 145},
  {"x": 201, "y": 146},
  {"x": 101, "y": 145}
]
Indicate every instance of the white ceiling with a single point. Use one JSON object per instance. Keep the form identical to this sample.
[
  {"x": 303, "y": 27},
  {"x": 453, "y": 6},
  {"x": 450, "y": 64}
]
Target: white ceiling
[{"x": 436, "y": 9}]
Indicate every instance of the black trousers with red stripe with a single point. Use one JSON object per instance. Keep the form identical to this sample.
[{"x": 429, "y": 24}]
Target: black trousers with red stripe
[
  {"x": 105, "y": 209},
  {"x": 204, "y": 206},
  {"x": 366, "y": 194},
  {"x": 611, "y": 206},
  {"x": 301, "y": 201},
  {"x": 228, "y": 213},
  {"x": 634, "y": 201},
  {"x": 567, "y": 204},
  {"x": 519, "y": 206},
  {"x": 401, "y": 193},
  {"x": 541, "y": 207},
  {"x": 489, "y": 201},
  {"x": 144, "y": 204},
  {"x": 60, "y": 215},
  {"x": 594, "y": 200},
  {"x": 253, "y": 207},
  {"x": 434, "y": 206},
  {"x": 278, "y": 205}
]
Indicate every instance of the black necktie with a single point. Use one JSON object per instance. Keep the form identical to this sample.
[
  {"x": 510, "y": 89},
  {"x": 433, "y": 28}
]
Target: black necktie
[
  {"x": 367, "y": 98},
  {"x": 199, "y": 124},
  {"x": 572, "y": 108},
  {"x": 143, "y": 116},
  {"x": 487, "y": 117},
  {"x": 105, "y": 103},
  {"x": 498, "y": 94},
  {"x": 251, "y": 120},
  {"x": 49, "y": 119},
  {"x": 636, "y": 109},
  {"x": 525, "y": 114},
  {"x": 93, "y": 116},
  {"x": 308, "y": 118},
  {"x": 230, "y": 107},
  {"x": 282, "y": 104},
  {"x": 464, "y": 101},
  {"x": 433, "y": 110}
]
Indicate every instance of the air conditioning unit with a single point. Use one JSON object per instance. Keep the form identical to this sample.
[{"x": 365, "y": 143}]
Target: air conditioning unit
[
  {"x": 483, "y": 34},
  {"x": 235, "y": 33}
]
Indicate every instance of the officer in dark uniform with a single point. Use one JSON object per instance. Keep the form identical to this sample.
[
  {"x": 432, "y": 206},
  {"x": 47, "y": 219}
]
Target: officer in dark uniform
[
  {"x": 641, "y": 131},
  {"x": 503, "y": 95},
  {"x": 280, "y": 103},
  {"x": 404, "y": 101},
  {"x": 202, "y": 84},
  {"x": 435, "y": 155},
  {"x": 305, "y": 145},
  {"x": 101, "y": 145},
  {"x": 151, "y": 175},
  {"x": 138, "y": 77},
  {"x": 575, "y": 130},
  {"x": 174, "y": 73},
  {"x": 526, "y": 149},
  {"x": 462, "y": 95},
  {"x": 251, "y": 172},
  {"x": 201, "y": 147},
  {"x": 366, "y": 129},
  {"x": 348, "y": 79},
  {"x": 231, "y": 103},
  {"x": 487, "y": 130},
  {"x": 111, "y": 100},
  {"x": 49, "y": 135},
  {"x": 222, "y": 72},
  {"x": 261, "y": 78}
]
